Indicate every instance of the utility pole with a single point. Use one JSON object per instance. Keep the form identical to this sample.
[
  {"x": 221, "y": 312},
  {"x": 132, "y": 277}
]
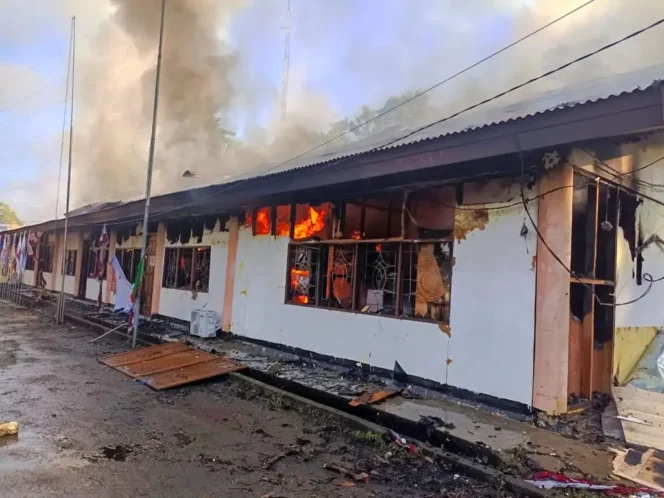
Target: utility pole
[
  {"x": 148, "y": 183},
  {"x": 61, "y": 310},
  {"x": 284, "y": 83}
]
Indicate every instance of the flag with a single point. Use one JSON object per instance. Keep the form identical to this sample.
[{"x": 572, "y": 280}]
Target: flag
[
  {"x": 103, "y": 243},
  {"x": 31, "y": 240},
  {"x": 137, "y": 282}
]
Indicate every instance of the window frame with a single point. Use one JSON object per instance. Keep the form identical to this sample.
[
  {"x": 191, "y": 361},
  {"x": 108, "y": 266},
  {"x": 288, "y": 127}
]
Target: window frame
[
  {"x": 70, "y": 262},
  {"x": 92, "y": 262},
  {"x": 179, "y": 251},
  {"x": 323, "y": 248}
]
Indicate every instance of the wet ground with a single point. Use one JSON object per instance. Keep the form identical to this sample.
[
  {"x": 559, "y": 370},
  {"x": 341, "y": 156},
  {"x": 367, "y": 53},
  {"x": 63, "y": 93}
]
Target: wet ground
[{"x": 87, "y": 430}]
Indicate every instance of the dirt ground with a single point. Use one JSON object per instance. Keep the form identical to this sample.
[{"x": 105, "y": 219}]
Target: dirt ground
[{"x": 87, "y": 430}]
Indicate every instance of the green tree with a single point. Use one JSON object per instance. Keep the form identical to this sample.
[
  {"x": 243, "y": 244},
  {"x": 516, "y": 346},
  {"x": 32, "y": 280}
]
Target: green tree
[{"x": 8, "y": 215}]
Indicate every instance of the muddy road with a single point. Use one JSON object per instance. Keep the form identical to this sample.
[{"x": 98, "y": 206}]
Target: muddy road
[{"x": 87, "y": 430}]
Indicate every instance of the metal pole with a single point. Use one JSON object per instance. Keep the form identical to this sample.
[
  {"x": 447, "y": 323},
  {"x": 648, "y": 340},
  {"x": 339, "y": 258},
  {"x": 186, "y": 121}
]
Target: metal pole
[
  {"x": 148, "y": 183},
  {"x": 71, "y": 145},
  {"x": 62, "y": 148}
]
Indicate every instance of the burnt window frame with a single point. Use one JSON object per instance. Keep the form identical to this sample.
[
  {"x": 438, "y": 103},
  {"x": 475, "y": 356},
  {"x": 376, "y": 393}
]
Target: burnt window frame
[
  {"x": 179, "y": 252},
  {"x": 128, "y": 259},
  {"x": 70, "y": 262},
  {"x": 356, "y": 269},
  {"x": 92, "y": 262},
  {"x": 46, "y": 257}
]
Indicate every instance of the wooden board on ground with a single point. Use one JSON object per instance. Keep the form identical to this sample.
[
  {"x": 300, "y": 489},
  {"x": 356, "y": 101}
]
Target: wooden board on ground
[
  {"x": 645, "y": 468},
  {"x": 370, "y": 398},
  {"x": 645, "y": 411},
  {"x": 139, "y": 355},
  {"x": 170, "y": 365}
]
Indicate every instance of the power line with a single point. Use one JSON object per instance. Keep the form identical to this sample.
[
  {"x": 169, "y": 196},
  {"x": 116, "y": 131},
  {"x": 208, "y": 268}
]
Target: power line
[
  {"x": 521, "y": 85},
  {"x": 646, "y": 276}
]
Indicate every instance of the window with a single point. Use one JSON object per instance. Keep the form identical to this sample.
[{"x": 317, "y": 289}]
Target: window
[
  {"x": 30, "y": 263},
  {"x": 46, "y": 253},
  {"x": 380, "y": 260},
  {"x": 70, "y": 262},
  {"x": 129, "y": 259},
  {"x": 92, "y": 263},
  {"x": 269, "y": 220},
  {"x": 187, "y": 268}
]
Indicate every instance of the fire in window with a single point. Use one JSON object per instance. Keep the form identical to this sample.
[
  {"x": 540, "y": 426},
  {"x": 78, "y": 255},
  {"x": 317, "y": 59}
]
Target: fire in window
[{"x": 303, "y": 274}]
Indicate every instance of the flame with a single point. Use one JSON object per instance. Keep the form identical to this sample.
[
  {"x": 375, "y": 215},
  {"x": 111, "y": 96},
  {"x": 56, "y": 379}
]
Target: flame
[
  {"x": 299, "y": 279},
  {"x": 247, "y": 218},
  {"x": 263, "y": 221},
  {"x": 356, "y": 235},
  {"x": 379, "y": 247},
  {"x": 312, "y": 224}
]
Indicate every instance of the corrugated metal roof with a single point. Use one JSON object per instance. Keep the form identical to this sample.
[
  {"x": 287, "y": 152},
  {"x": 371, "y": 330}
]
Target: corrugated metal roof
[{"x": 569, "y": 96}]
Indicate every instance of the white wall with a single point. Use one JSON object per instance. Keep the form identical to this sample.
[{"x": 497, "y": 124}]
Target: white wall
[
  {"x": 92, "y": 289},
  {"x": 178, "y": 303},
  {"x": 48, "y": 278},
  {"x": 28, "y": 277},
  {"x": 492, "y": 314},
  {"x": 70, "y": 283}
]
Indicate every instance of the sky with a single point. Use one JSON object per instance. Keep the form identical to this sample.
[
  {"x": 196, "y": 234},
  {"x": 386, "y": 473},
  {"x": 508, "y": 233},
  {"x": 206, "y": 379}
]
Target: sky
[{"x": 344, "y": 54}]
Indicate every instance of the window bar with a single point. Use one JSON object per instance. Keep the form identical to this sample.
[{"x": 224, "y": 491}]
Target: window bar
[
  {"x": 362, "y": 220},
  {"x": 399, "y": 282},
  {"x": 254, "y": 213},
  {"x": 353, "y": 298},
  {"x": 289, "y": 266},
  {"x": 273, "y": 220},
  {"x": 317, "y": 290},
  {"x": 292, "y": 220}
]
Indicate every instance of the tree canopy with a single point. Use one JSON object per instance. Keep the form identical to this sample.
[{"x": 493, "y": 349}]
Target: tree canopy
[{"x": 8, "y": 215}]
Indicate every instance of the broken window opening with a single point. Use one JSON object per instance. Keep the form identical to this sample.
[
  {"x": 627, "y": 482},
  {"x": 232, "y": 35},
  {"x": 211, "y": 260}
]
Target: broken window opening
[
  {"x": 311, "y": 222},
  {"x": 129, "y": 259},
  {"x": 283, "y": 221},
  {"x": 426, "y": 281},
  {"x": 92, "y": 263},
  {"x": 46, "y": 257},
  {"x": 303, "y": 275},
  {"x": 263, "y": 221}
]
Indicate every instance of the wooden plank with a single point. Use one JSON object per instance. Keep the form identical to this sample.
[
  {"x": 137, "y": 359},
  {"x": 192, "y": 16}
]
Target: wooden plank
[
  {"x": 165, "y": 363},
  {"x": 192, "y": 373},
  {"x": 645, "y": 406},
  {"x": 590, "y": 281},
  {"x": 552, "y": 303},
  {"x": 632, "y": 398},
  {"x": 602, "y": 366},
  {"x": 587, "y": 343},
  {"x": 369, "y": 398},
  {"x": 575, "y": 358},
  {"x": 645, "y": 468},
  {"x": 138, "y": 355}
]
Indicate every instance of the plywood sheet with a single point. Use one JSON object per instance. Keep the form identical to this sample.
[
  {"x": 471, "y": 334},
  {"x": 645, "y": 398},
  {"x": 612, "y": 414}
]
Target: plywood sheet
[
  {"x": 143, "y": 354},
  {"x": 645, "y": 468},
  {"x": 165, "y": 363},
  {"x": 629, "y": 345},
  {"x": 170, "y": 365},
  {"x": 192, "y": 373},
  {"x": 646, "y": 410}
]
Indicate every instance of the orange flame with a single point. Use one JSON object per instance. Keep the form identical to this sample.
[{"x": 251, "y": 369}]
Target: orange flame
[
  {"x": 263, "y": 221},
  {"x": 247, "y": 219},
  {"x": 297, "y": 276},
  {"x": 379, "y": 247},
  {"x": 312, "y": 224},
  {"x": 356, "y": 235}
]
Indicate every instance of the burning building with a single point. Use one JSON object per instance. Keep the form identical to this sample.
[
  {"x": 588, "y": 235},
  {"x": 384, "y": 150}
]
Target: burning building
[{"x": 441, "y": 252}]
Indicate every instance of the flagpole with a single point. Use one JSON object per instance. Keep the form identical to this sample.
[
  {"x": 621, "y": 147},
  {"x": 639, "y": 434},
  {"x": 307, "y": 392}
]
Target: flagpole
[
  {"x": 148, "y": 183},
  {"x": 71, "y": 145}
]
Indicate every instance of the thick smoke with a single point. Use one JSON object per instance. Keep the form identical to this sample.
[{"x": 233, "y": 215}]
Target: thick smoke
[
  {"x": 205, "y": 83},
  {"x": 194, "y": 95}
]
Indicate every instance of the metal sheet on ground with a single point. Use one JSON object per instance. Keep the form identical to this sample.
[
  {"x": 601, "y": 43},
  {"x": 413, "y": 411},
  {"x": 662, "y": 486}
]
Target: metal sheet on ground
[
  {"x": 143, "y": 354},
  {"x": 165, "y": 363},
  {"x": 192, "y": 373},
  {"x": 170, "y": 365}
]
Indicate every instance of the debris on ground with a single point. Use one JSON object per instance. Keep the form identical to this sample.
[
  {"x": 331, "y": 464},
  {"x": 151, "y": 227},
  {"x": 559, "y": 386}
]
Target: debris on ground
[
  {"x": 290, "y": 451},
  {"x": 553, "y": 480},
  {"x": 644, "y": 468},
  {"x": 432, "y": 423},
  {"x": 402, "y": 441},
  {"x": 358, "y": 477},
  {"x": 371, "y": 397},
  {"x": 8, "y": 429}
]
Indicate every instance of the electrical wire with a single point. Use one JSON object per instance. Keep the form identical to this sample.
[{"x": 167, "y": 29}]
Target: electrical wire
[
  {"x": 646, "y": 276},
  {"x": 417, "y": 95},
  {"x": 530, "y": 81}
]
